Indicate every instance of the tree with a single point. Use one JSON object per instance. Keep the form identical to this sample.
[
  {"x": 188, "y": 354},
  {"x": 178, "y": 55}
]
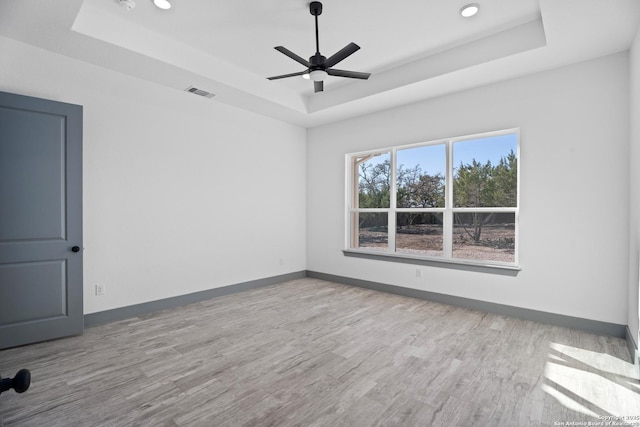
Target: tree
[
  {"x": 374, "y": 191},
  {"x": 374, "y": 185},
  {"x": 477, "y": 185},
  {"x": 506, "y": 177},
  {"x": 419, "y": 190}
]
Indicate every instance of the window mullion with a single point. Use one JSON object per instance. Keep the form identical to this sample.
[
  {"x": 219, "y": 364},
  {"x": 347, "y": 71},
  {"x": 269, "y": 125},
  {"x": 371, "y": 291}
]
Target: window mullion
[
  {"x": 496, "y": 209},
  {"x": 447, "y": 235},
  {"x": 391, "y": 218},
  {"x": 354, "y": 202}
]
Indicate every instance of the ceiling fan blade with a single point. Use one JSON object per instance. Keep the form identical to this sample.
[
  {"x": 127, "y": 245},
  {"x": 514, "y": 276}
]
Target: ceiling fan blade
[
  {"x": 318, "y": 86},
  {"x": 284, "y": 76},
  {"x": 293, "y": 56},
  {"x": 341, "y": 54},
  {"x": 350, "y": 74}
]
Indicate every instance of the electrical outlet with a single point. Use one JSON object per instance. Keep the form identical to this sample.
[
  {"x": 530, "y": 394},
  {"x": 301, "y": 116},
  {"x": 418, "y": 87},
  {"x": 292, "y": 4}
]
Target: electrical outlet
[
  {"x": 99, "y": 290},
  {"x": 418, "y": 273},
  {"x": 281, "y": 261}
]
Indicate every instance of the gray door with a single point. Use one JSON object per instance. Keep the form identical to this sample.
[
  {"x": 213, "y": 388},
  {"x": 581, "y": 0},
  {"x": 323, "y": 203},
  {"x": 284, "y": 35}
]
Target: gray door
[{"x": 40, "y": 220}]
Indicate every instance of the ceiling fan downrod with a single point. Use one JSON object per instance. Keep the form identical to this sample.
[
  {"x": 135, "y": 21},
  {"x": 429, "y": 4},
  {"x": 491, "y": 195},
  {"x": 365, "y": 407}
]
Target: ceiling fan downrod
[{"x": 315, "y": 8}]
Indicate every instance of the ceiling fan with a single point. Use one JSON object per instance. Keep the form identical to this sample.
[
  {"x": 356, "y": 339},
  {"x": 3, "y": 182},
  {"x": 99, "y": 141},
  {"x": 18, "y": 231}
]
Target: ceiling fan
[{"x": 319, "y": 67}]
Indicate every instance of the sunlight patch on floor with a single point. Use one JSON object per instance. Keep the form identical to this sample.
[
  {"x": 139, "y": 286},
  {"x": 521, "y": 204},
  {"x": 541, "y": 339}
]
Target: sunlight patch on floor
[
  {"x": 567, "y": 402},
  {"x": 592, "y": 383},
  {"x": 601, "y": 361}
]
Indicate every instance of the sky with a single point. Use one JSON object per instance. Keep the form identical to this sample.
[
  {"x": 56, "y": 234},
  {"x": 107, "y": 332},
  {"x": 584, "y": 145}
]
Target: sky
[{"x": 432, "y": 158}]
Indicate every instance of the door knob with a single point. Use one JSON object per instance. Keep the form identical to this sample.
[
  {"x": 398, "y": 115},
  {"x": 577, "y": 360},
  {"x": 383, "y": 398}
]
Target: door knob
[
  {"x": 20, "y": 383},
  {"x": 75, "y": 249}
]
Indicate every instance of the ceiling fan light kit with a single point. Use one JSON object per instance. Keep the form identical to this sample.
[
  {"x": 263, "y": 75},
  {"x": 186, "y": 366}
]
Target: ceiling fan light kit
[
  {"x": 318, "y": 66},
  {"x": 318, "y": 75}
]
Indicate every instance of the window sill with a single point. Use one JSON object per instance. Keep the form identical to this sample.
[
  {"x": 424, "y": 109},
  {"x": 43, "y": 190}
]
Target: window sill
[{"x": 481, "y": 267}]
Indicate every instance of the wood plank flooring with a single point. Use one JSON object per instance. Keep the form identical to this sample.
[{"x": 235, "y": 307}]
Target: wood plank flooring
[{"x": 315, "y": 353}]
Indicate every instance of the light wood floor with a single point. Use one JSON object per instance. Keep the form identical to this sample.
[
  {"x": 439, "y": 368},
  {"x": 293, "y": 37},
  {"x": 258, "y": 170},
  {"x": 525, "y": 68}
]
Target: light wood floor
[{"x": 316, "y": 353}]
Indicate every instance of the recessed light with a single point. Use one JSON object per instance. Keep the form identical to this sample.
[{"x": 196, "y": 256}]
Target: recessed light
[
  {"x": 469, "y": 10},
  {"x": 162, "y": 4}
]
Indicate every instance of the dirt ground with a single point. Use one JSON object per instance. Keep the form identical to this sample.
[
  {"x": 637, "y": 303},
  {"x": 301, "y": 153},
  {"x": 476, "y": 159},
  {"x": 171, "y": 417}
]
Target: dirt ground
[{"x": 496, "y": 242}]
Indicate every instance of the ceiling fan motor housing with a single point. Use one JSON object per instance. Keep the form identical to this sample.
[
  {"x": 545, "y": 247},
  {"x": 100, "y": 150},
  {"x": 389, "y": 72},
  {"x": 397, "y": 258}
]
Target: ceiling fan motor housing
[{"x": 317, "y": 62}]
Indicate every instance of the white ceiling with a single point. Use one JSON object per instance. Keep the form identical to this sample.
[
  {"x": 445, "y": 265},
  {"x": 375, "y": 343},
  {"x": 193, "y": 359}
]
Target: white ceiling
[{"x": 415, "y": 49}]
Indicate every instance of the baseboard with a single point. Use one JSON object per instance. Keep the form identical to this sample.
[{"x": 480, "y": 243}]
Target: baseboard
[
  {"x": 136, "y": 310},
  {"x": 587, "y": 325}
]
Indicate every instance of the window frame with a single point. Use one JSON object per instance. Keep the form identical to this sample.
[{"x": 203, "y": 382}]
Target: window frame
[{"x": 448, "y": 211}]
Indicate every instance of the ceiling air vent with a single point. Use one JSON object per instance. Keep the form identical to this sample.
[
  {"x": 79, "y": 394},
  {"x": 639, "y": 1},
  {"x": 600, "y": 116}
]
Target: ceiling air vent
[{"x": 200, "y": 92}]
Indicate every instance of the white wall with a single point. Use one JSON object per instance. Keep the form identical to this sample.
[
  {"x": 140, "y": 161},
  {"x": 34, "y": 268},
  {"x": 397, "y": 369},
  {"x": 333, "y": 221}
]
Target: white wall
[
  {"x": 634, "y": 190},
  {"x": 574, "y": 188},
  {"x": 168, "y": 209},
  {"x": 181, "y": 193}
]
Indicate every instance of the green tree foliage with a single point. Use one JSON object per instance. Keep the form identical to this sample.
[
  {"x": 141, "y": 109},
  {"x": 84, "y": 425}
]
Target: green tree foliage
[
  {"x": 419, "y": 190},
  {"x": 375, "y": 185},
  {"x": 505, "y": 175},
  {"x": 477, "y": 185},
  {"x": 374, "y": 192},
  {"x": 415, "y": 189}
]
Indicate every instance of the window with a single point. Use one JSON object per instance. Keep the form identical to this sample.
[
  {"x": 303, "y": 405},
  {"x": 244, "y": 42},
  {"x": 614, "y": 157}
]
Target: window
[{"x": 454, "y": 200}]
